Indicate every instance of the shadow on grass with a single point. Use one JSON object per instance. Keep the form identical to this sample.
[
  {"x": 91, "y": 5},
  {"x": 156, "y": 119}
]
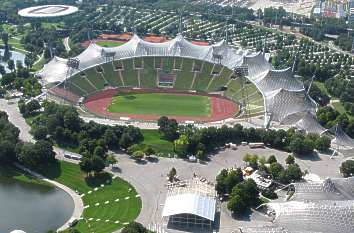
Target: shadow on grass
[
  {"x": 98, "y": 179},
  {"x": 52, "y": 171},
  {"x": 129, "y": 97}
]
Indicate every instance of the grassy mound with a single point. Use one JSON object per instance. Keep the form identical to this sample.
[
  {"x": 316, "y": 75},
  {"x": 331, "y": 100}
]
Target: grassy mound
[
  {"x": 118, "y": 200},
  {"x": 163, "y": 104}
]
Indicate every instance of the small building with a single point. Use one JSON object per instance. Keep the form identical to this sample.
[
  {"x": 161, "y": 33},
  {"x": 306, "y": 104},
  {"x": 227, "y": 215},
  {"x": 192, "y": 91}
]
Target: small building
[{"x": 190, "y": 205}]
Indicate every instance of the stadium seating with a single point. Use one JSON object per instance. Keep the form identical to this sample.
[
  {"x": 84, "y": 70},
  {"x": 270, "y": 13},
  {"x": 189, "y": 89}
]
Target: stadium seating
[
  {"x": 185, "y": 75},
  {"x": 129, "y": 74},
  {"x": 148, "y": 75},
  {"x": 203, "y": 77},
  {"x": 177, "y": 63},
  {"x": 95, "y": 78},
  {"x": 79, "y": 85},
  {"x": 111, "y": 75},
  {"x": 173, "y": 72},
  {"x": 220, "y": 80}
]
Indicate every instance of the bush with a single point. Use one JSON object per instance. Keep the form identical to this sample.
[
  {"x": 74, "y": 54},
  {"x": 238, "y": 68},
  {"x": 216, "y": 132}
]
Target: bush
[
  {"x": 270, "y": 194},
  {"x": 347, "y": 168}
]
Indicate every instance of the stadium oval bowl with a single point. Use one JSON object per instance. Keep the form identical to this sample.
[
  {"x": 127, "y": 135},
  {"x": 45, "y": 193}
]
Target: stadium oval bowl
[{"x": 47, "y": 11}]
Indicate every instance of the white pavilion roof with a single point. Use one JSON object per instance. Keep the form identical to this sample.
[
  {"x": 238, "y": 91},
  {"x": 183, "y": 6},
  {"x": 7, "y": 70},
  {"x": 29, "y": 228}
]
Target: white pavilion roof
[{"x": 190, "y": 203}]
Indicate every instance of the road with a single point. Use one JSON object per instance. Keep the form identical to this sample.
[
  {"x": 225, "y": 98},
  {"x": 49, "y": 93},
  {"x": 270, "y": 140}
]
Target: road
[{"x": 66, "y": 44}]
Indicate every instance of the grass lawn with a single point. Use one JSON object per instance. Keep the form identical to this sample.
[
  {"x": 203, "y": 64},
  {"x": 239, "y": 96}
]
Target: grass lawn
[
  {"x": 109, "y": 190},
  {"x": 162, "y": 104},
  {"x": 339, "y": 107},
  {"x": 322, "y": 87},
  {"x": 154, "y": 139},
  {"x": 110, "y": 43}
]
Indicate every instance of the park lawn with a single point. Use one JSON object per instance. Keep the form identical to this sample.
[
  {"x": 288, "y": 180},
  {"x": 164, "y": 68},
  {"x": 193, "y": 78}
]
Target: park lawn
[
  {"x": 161, "y": 104},
  {"x": 110, "y": 43},
  {"x": 154, "y": 139},
  {"x": 39, "y": 65},
  {"x": 124, "y": 210},
  {"x": 339, "y": 107}
]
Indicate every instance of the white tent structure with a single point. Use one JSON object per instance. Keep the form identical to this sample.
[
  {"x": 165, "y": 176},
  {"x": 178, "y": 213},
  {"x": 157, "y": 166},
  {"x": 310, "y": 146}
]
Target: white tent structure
[
  {"x": 284, "y": 96},
  {"x": 190, "y": 203}
]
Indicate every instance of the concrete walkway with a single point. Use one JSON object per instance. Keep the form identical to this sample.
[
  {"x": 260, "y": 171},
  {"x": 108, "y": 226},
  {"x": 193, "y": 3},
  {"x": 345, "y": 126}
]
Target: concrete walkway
[{"x": 78, "y": 203}]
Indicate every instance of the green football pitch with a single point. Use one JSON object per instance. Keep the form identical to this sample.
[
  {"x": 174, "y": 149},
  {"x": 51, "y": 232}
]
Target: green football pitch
[{"x": 162, "y": 104}]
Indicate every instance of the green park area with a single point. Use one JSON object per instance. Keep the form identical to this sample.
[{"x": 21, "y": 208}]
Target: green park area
[
  {"x": 110, "y": 203},
  {"x": 162, "y": 104}
]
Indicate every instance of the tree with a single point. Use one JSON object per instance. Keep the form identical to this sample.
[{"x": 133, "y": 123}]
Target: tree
[
  {"x": 133, "y": 148},
  {"x": 32, "y": 106},
  {"x": 275, "y": 170},
  {"x": 293, "y": 173},
  {"x": 148, "y": 151},
  {"x": 39, "y": 132},
  {"x": 111, "y": 159},
  {"x": 272, "y": 159},
  {"x": 2, "y": 70},
  {"x": 243, "y": 196},
  {"x": 237, "y": 205},
  {"x": 11, "y": 64},
  {"x": 86, "y": 165},
  {"x": 99, "y": 151},
  {"x": 7, "y": 152},
  {"x": 134, "y": 227},
  {"x": 181, "y": 146},
  {"x": 138, "y": 155},
  {"x": 172, "y": 174},
  {"x": 347, "y": 168},
  {"x": 290, "y": 159},
  {"x": 233, "y": 178},
  {"x": 301, "y": 146},
  {"x": 111, "y": 138},
  {"x": 323, "y": 143},
  {"x": 168, "y": 127},
  {"x": 98, "y": 164}
]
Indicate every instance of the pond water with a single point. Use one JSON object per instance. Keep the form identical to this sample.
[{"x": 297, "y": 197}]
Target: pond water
[
  {"x": 32, "y": 208},
  {"x": 16, "y": 56}
]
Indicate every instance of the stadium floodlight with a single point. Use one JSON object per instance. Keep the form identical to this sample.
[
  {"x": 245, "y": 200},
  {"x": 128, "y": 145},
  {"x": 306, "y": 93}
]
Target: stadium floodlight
[
  {"x": 241, "y": 71},
  {"x": 109, "y": 56},
  {"x": 217, "y": 57},
  {"x": 73, "y": 63}
]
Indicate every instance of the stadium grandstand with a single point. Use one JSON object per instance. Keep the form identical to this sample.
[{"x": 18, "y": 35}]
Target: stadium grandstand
[{"x": 276, "y": 97}]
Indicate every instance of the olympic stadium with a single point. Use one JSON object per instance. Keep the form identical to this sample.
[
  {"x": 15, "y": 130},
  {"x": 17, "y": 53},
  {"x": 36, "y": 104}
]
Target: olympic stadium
[{"x": 230, "y": 84}]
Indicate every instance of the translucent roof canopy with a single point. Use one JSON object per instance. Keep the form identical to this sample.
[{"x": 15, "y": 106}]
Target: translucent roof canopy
[{"x": 190, "y": 203}]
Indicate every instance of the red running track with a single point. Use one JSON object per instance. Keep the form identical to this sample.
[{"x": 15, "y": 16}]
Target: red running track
[{"x": 221, "y": 108}]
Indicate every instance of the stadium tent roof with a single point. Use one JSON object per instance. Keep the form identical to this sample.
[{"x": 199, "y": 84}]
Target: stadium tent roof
[
  {"x": 315, "y": 216},
  {"x": 17, "y": 231},
  {"x": 341, "y": 138},
  {"x": 46, "y": 11},
  {"x": 309, "y": 124},
  {"x": 283, "y": 94},
  {"x": 190, "y": 203}
]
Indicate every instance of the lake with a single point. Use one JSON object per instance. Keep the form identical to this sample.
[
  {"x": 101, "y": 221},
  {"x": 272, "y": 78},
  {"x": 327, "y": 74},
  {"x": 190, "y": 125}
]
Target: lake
[{"x": 32, "y": 208}]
